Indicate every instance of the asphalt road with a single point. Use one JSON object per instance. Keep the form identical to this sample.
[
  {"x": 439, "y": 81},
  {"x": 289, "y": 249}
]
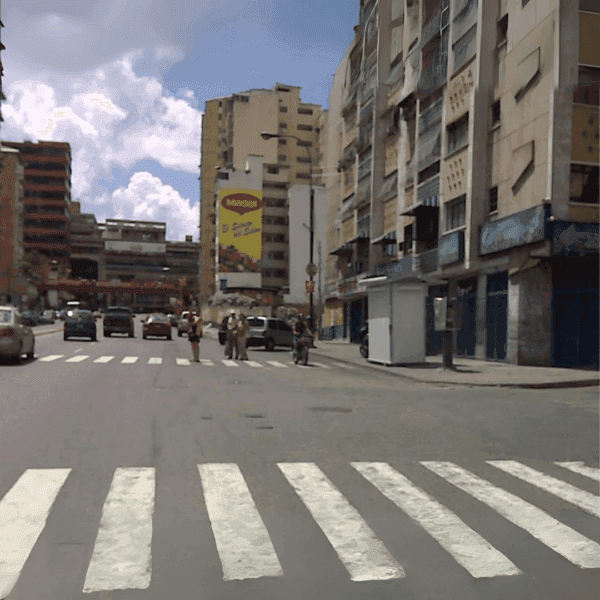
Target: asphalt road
[{"x": 135, "y": 477}]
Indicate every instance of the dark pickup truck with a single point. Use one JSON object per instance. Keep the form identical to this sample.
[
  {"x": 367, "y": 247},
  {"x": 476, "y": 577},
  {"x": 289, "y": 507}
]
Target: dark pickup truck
[{"x": 118, "y": 319}]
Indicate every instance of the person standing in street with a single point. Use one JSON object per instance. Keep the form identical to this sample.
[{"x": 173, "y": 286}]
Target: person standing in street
[
  {"x": 195, "y": 333},
  {"x": 243, "y": 330},
  {"x": 231, "y": 335}
]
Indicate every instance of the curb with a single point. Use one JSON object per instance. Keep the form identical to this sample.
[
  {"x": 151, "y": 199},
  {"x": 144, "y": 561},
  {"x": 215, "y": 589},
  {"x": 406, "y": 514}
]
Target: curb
[{"x": 540, "y": 386}]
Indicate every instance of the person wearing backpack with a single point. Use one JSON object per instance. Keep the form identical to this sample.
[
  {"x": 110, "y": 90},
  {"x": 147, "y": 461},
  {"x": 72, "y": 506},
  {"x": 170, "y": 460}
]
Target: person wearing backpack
[{"x": 195, "y": 333}]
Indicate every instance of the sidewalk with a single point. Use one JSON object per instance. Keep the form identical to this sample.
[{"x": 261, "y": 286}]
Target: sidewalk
[{"x": 466, "y": 371}]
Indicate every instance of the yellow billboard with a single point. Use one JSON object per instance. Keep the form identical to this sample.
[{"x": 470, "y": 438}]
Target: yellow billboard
[{"x": 240, "y": 230}]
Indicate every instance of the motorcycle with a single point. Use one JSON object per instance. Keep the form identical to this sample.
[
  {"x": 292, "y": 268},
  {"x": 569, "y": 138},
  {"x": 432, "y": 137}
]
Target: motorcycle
[
  {"x": 300, "y": 350},
  {"x": 364, "y": 341}
]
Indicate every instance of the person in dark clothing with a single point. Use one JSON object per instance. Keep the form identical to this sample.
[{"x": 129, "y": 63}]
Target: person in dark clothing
[{"x": 299, "y": 329}]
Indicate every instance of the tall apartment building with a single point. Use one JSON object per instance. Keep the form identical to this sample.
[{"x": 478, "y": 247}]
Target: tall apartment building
[
  {"x": 12, "y": 285},
  {"x": 47, "y": 191},
  {"x": 467, "y": 138},
  {"x": 231, "y": 128}
]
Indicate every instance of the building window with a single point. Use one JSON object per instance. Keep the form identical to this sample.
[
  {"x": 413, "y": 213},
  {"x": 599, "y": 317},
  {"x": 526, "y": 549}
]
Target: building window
[
  {"x": 221, "y": 175},
  {"x": 305, "y": 111},
  {"x": 303, "y": 175},
  {"x": 283, "y": 125},
  {"x": 455, "y": 213},
  {"x": 303, "y": 127},
  {"x": 303, "y": 159},
  {"x": 283, "y": 89},
  {"x": 283, "y": 109},
  {"x": 429, "y": 172},
  {"x": 282, "y": 142},
  {"x": 408, "y": 238},
  {"x": 306, "y": 144},
  {"x": 458, "y": 134},
  {"x": 266, "y": 273},
  {"x": 268, "y": 220},
  {"x": 493, "y": 203},
  {"x": 588, "y": 86},
  {"x": 273, "y": 170},
  {"x": 502, "y": 29},
  {"x": 584, "y": 184},
  {"x": 282, "y": 157},
  {"x": 389, "y": 249},
  {"x": 496, "y": 113}
]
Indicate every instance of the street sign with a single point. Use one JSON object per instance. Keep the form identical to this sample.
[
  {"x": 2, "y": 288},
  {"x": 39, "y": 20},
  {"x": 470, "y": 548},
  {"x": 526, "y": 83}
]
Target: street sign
[
  {"x": 223, "y": 284},
  {"x": 311, "y": 269},
  {"x": 310, "y": 287}
]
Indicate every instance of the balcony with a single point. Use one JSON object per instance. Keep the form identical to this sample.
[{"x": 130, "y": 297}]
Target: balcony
[
  {"x": 426, "y": 262},
  {"x": 404, "y": 265}
]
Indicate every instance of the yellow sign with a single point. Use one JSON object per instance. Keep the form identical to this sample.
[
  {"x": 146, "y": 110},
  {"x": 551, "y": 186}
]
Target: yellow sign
[{"x": 240, "y": 230}]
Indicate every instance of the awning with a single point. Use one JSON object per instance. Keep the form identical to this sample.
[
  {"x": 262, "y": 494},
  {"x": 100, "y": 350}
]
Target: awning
[
  {"x": 385, "y": 239},
  {"x": 430, "y": 147},
  {"x": 363, "y": 193},
  {"x": 343, "y": 249},
  {"x": 389, "y": 187},
  {"x": 396, "y": 74},
  {"x": 427, "y": 204}
]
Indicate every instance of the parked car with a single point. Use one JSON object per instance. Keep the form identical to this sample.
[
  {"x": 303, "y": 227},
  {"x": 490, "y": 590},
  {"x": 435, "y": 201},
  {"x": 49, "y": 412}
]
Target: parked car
[
  {"x": 49, "y": 316},
  {"x": 61, "y": 314},
  {"x": 157, "y": 325},
  {"x": 16, "y": 337},
  {"x": 79, "y": 323},
  {"x": 118, "y": 319},
  {"x": 269, "y": 333},
  {"x": 29, "y": 318},
  {"x": 182, "y": 323}
]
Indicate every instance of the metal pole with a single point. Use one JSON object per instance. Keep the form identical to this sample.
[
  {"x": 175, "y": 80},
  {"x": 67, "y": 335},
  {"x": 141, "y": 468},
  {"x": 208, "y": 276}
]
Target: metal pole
[{"x": 312, "y": 241}]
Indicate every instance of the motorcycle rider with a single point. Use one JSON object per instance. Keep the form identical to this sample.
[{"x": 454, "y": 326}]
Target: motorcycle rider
[{"x": 299, "y": 329}]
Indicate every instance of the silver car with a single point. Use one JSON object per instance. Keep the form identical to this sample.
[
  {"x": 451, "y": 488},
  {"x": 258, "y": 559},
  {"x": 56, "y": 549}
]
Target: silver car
[
  {"x": 16, "y": 338},
  {"x": 182, "y": 323},
  {"x": 269, "y": 333}
]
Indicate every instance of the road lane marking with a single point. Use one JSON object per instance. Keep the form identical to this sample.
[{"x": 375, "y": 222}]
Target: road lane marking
[
  {"x": 51, "y": 357},
  {"x": 128, "y": 360},
  {"x": 562, "y": 539},
  {"x": 77, "y": 358},
  {"x": 230, "y": 363},
  {"x": 252, "y": 363},
  {"x": 468, "y": 548},
  {"x": 364, "y": 556},
  {"x": 565, "y": 491},
  {"x": 206, "y": 362},
  {"x": 321, "y": 365},
  {"x": 122, "y": 557},
  {"x": 104, "y": 359},
  {"x": 155, "y": 360},
  {"x": 344, "y": 366},
  {"x": 183, "y": 362},
  {"x": 243, "y": 542},
  {"x": 578, "y": 466},
  {"x": 23, "y": 514},
  {"x": 277, "y": 364}
]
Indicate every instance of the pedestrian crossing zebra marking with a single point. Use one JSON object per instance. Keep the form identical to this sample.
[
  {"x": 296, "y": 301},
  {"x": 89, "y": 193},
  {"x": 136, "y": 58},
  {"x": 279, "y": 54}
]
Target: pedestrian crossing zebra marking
[
  {"x": 104, "y": 359},
  {"x": 363, "y": 555},
  {"x": 468, "y": 548},
  {"x": 320, "y": 365},
  {"x": 129, "y": 360},
  {"x": 122, "y": 555},
  {"x": 243, "y": 542},
  {"x": 183, "y": 362},
  {"x": 277, "y": 364},
  {"x": 230, "y": 363},
  {"x": 565, "y": 491},
  {"x": 578, "y": 466},
  {"x": 51, "y": 357},
  {"x": 23, "y": 514},
  {"x": 206, "y": 362},
  {"x": 253, "y": 363},
  {"x": 77, "y": 359},
  {"x": 155, "y": 360},
  {"x": 344, "y": 366},
  {"x": 575, "y": 547}
]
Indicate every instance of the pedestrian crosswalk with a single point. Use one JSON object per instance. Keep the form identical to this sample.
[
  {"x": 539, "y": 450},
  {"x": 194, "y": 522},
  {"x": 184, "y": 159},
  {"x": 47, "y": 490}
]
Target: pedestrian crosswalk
[
  {"x": 179, "y": 361},
  {"x": 122, "y": 547}
]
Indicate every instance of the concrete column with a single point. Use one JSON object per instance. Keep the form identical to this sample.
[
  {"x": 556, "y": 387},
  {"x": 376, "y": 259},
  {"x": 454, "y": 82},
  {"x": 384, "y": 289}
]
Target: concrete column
[{"x": 480, "y": 317}]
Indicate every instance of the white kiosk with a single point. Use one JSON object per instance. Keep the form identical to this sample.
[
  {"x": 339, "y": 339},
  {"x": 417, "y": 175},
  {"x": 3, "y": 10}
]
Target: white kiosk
[{"x": 397, "y": 319}]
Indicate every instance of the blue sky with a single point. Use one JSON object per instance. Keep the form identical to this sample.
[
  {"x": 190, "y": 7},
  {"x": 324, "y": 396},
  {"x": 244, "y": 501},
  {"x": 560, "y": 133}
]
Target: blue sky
[{"x": 125, "y": 82}]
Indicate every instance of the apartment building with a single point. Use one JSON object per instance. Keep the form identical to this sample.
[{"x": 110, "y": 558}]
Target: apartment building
[
  {"x": 469, "y": 156},
  {"x": 231, "y": 133},
  {"x": 12, "y": 285},
  {"x": 47, "y": 193}
]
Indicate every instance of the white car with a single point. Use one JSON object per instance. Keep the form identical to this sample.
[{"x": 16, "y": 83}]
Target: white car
[
  {"x": 182, "y": 323},
  {"x": 16, "y": 338}
]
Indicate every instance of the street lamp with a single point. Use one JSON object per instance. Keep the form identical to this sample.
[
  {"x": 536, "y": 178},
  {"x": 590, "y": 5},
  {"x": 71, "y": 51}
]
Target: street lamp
[{"x": 310, "y": 269}]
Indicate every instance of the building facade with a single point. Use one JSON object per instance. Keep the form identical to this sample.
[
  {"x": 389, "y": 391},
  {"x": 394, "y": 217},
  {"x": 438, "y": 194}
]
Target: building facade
[
  {"x": 470, "y": 153},
  {"x": 231, "y": 134}
]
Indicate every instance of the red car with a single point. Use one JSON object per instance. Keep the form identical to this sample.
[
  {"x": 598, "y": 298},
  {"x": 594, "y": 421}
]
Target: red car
[{"x": 157, "y": 325}]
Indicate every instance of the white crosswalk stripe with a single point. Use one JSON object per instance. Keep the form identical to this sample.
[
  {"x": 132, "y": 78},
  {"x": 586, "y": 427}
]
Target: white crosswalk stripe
[
  {"x": 468, "y": 548},
  {"x": 363, "y": 555},
  {"x": 230, "y": 363},
  {"x": 23, "y": 514},
  {"x": 320, "y": 365},
  {"x": 183, "y": 362},
  {"x": 344, "y": 366},
  {"x": 243, "y": 542},
  {"x": 78, "y": 358},
  {"x": 578, "y": 466},
  {"x": 252, "y": 363},
  {"x": 155, "y": 360},
  {"x": 129, "y": 360},
  {"x": 104, "y": 359},
  {"x": 51, "y": 357},
  {"x": 277, "y": 364},
  {"x": 586, "y": 501},
  {"x": 207, "y": 362},
  {"x": 565, "y": 541},
  {"x": 122, "y": 555}
]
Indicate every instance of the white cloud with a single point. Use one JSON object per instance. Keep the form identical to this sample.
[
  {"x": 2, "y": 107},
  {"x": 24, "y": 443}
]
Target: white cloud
[{"x": 147, "y": 198}]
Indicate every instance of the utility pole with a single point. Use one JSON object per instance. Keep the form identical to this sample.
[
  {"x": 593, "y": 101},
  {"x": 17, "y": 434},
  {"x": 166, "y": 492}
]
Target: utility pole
[{"x": 320, "y": 297}]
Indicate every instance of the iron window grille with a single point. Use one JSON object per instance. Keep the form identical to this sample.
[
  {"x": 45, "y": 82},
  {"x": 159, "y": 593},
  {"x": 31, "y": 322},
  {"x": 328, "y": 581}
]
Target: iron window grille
[
  {"x": 493, "y": 202},
  {"x": 455, "y": 213}
]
